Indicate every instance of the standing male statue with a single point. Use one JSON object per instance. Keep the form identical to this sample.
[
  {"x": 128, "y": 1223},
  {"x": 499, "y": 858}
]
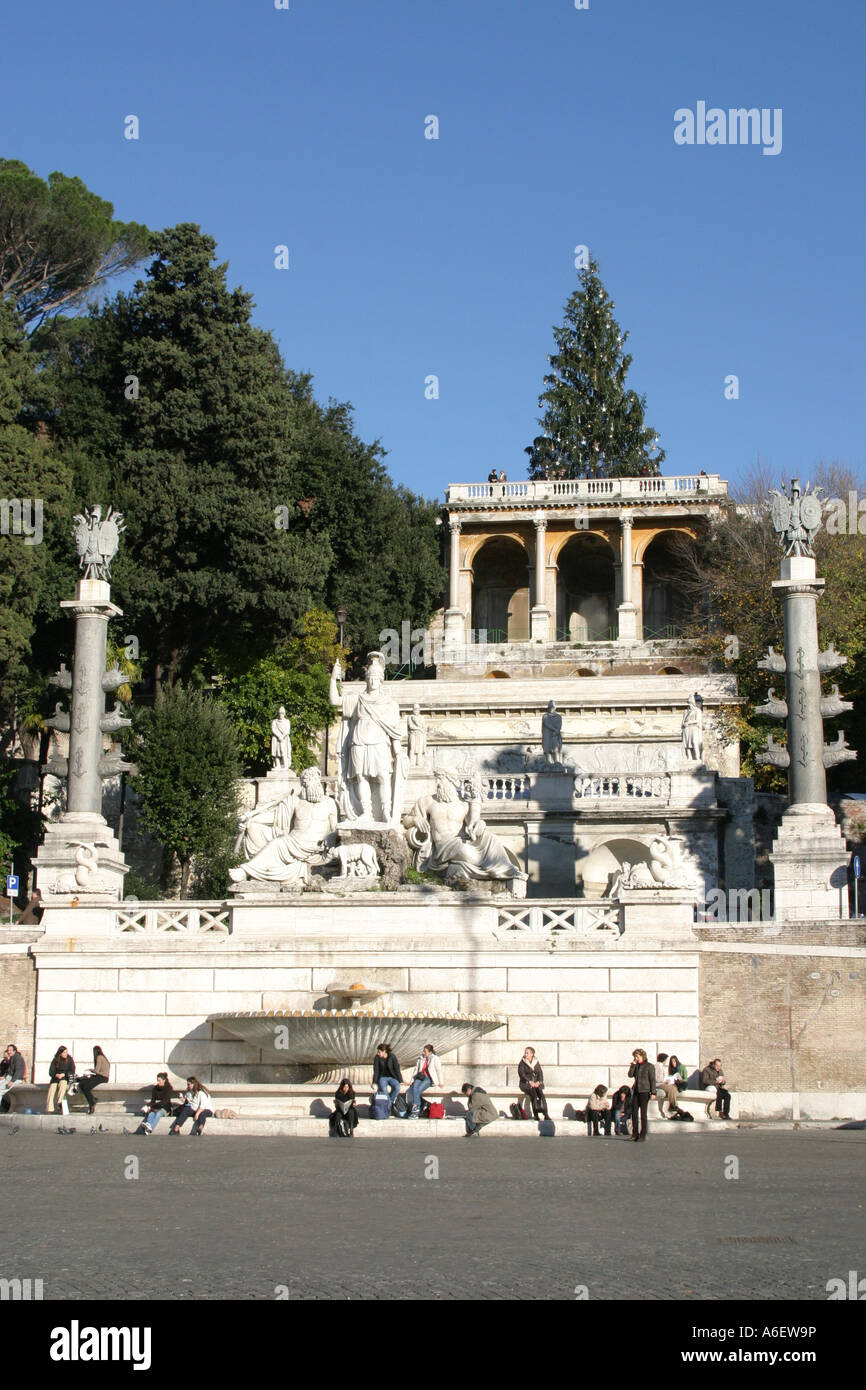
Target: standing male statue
[
  {"x": 693, "y": 728},
  {"x": 370, "y": 753},
  {"x": 551, "y": 735},
  {"x": 417, "y": 726},
  {"x": 281, "y": 741}
]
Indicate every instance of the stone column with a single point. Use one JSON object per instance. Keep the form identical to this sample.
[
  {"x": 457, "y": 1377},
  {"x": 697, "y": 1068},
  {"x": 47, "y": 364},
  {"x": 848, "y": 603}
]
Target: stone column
[
  {"x": 454, "y": 618},
  {"x": 80, "y": 858},
  {"x": 809, "y": 854},
  {"x": 540, "y": 614},
  {"x": 627, "y": 611},
  {"x": 91, "y": 610}
]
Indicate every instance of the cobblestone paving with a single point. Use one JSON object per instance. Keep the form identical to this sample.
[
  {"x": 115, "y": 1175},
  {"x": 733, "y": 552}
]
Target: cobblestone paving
[{"x": 241, "y": 1218}]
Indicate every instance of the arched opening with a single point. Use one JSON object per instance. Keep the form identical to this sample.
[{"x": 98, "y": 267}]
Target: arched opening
[
  {"x": 500, "y": 591},
  {"x": 664, "y": 601},
  {"x": 670, "y": 671},
  {"x": 606, "y": 860},
  {"x": 585, "y": 610},
  {"x": 497, "y": 676}
]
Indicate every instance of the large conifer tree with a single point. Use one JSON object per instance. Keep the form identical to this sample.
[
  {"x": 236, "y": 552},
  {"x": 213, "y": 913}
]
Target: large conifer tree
[{"x": 593, "y": 424}]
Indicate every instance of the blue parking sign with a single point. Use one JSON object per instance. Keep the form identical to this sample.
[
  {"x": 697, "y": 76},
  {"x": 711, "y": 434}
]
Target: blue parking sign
[
  {"x": 11, "y": 884},
  {"x": 855, "y": 864}
]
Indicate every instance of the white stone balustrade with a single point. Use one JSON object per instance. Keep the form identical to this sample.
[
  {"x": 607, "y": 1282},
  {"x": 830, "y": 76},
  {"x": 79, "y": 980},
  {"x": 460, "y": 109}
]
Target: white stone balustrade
[{"x": 567, "y": 490}]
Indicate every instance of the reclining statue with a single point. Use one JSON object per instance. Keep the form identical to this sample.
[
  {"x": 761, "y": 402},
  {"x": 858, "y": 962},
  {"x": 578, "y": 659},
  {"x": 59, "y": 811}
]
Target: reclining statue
[
  {"x": 310, "y": 820},
  {"x": 448, "y": 835}
]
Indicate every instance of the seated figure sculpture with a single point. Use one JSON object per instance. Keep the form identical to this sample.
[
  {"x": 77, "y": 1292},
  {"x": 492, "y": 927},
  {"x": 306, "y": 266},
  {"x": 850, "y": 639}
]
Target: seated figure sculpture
[
  {"x": 310, "y": 819},
  {"x": 448, "y": 835}
]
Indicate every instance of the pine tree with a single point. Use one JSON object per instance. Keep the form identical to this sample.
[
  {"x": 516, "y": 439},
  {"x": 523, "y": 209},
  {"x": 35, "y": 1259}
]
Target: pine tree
[
  {"x": 593, "y": 425},
  {"x": 34, "y": 488}
]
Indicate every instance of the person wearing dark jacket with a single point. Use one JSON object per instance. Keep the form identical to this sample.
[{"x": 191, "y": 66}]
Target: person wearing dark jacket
[
  {"x": 621, "y": 1109},
  {"x": 712, "y": 1076},
  {"x": 12, "y": 1073},
  {"x": 531, "y": 1079},
  {"x": 344, "y": 1108},
  {"x": 158, "y": 1105},
  {"x": 60, "y": 1074},
  {"x": 643, "y": 1074},
  {"x": 387, "y": 1076},
  {"x": 97, "y": 1077}
]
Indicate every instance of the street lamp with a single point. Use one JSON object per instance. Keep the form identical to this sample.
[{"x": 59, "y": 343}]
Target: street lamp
[{"x": 341, "y": 618}]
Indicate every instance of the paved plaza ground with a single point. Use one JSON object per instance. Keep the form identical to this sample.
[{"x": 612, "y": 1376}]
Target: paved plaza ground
[{"x": 505, "y": 1219}]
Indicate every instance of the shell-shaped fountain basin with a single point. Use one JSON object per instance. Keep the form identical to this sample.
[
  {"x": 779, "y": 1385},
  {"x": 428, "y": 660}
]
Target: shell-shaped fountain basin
[{"x": 348, "y": 1038}]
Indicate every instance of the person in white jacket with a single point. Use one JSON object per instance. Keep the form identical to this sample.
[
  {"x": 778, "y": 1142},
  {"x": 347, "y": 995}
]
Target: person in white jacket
[
  {"x": 197, "y": 1105},
  {"x": 428, "y": 1072}
]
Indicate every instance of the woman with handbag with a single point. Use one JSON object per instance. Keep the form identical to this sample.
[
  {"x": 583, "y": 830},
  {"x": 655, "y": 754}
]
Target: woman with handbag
[
  {"x": 531, "y": 1081},
  {"x": 97, "y": 1076},
  {"x": 61, "y": 1074},
  {"x": 428, "y": 1072}
]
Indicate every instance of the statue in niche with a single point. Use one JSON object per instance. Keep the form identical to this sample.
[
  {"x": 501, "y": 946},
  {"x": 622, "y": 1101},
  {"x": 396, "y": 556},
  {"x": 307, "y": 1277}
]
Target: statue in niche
[
  {"x": 448, "y": 835},
  {"x": 551, "y": 736},
  {"x": 370, "y": 752},
  {"x": 667, "y": 868},
  {"x": 693, "y": 728},
  {"x": 417, "y": 727},
  {"x": 311, "y": 820},
  {"x": 281, "y": 742}
]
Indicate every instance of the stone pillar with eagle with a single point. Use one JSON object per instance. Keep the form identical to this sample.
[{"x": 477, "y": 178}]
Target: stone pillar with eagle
[
  {"x": 80, "y": 858},
  {"x": 809, "y": 854}
]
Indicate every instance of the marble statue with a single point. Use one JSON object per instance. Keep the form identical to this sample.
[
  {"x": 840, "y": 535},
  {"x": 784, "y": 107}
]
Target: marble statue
[
  {"x": 311, "y": 818},
  {"x": 84, "y": 878},
  {"x": 551, "y": 735},
  {"x": 96, "y": 540},
  {"x": 371, "y": 757},
  {"x": 281, "y": 741},
  {"x": 417, "y": 726},
  {"x": 667, "y": 868},
  {"x": 448, "y": 835},
  {"x": 355, "y": 861},
  {"x": 693, "y": 728},
  {"x": 264, "y": 823}
]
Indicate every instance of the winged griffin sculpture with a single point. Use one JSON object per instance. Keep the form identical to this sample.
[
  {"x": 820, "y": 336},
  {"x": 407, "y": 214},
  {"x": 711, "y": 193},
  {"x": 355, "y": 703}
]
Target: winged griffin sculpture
[
  {"x": 798, "y": 518},
  {"x": 96, "y": 540}
]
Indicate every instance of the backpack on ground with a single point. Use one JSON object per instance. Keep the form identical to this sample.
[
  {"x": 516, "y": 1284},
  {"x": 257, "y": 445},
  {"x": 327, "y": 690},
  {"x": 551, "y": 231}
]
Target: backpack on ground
[
  {"x": 399, "y": 1108},
  {"x": 436, "y": 1110},
  {"x": 683, "y": 1115},
  {"x": 380, "y": 1107},
  {"x": 517, "y": 1112}
]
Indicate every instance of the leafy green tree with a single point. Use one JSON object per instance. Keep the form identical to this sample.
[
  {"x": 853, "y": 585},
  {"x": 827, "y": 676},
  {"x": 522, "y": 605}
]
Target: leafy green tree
[
  {"x": 58, "y": 241},
  {"x": 248, "y": 502},
  {"x": 19, "y": 825},
  {"x": 295, "y": 674},
  {"x": 34, "y": 480},
  {"x": 189, "y": 763},
  {"x": 593, "y": 425}
]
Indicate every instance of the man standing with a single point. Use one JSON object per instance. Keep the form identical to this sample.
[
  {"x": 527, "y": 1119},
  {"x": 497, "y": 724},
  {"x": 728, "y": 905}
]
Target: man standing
[
  {"x": 480, "y": 1110},
  {"x": 644, "y": 1086}
]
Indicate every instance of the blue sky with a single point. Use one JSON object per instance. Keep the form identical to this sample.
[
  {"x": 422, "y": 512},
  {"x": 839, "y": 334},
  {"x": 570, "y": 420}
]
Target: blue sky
[{"x": 454, "y": 257}]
